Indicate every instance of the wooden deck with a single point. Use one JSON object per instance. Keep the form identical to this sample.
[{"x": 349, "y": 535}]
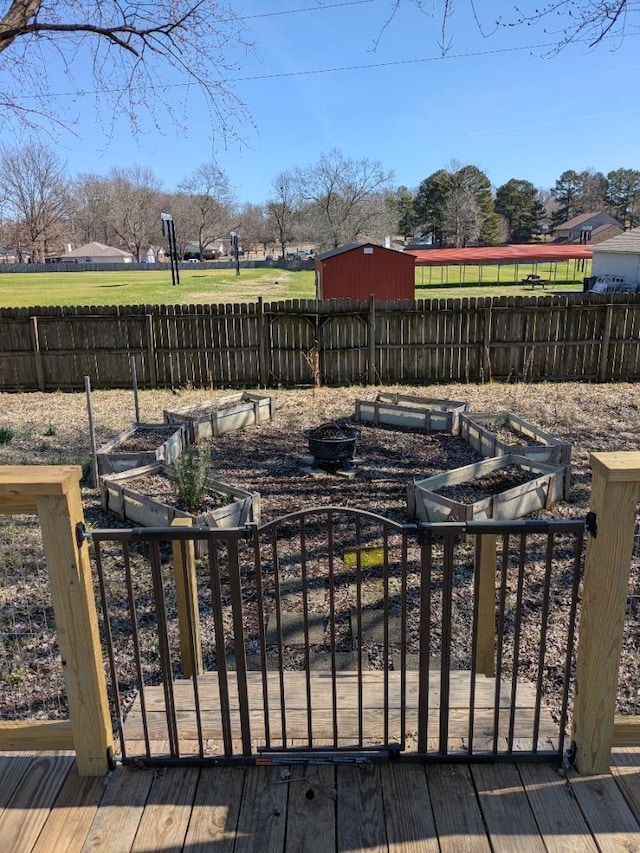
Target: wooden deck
[{"x": 46, "y": 807}]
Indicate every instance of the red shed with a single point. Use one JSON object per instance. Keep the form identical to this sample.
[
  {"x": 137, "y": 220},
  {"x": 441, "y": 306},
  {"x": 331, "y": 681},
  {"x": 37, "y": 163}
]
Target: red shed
[{"x": 357, "y": 270}]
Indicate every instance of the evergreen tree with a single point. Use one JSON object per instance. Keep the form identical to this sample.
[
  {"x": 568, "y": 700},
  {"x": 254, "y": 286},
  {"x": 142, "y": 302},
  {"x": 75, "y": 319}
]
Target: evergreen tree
[
  {"x": 623, "y": 196},
  {"x": 518, "y": 202}
]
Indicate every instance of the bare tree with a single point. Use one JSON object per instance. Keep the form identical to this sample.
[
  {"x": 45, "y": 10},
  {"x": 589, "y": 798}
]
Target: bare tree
[
  {"x": 134, "y": 200},
  {"x": 33, "y": 188},
  {"x": 207, "y": 204},
  {"x": 344, "y": 196},
  {"x": 462, "y": 216},
  {"x": 565, "y": 21},
  {"x": 136, "y": 53},
  {"x": 255, "y": 228},
  {"x": 90, "y": 214},
  {"x": 284, "y": 209}
]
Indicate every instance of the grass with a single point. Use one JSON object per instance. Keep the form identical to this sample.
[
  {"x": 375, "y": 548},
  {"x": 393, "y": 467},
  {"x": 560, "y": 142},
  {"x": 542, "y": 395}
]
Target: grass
[{"x": 153, "y": 287}]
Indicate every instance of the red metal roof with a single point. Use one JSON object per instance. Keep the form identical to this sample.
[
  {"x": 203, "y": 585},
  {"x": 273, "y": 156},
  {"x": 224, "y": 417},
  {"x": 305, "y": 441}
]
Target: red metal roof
[{"x": 525, "y": 252}]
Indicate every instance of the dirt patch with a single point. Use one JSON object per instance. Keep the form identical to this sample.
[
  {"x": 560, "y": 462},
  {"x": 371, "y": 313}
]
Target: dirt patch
[
  {"x": 270, "y": 458},
  {"x": 486, "y": 486}
]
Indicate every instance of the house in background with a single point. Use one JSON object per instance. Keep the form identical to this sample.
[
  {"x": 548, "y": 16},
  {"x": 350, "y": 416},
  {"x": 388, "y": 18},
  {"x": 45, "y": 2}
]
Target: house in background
[
  {"x": 616, "y": 263},
  {"x": 588, "y": 228},
  {"x": 359, "y": 270},
  {"x": 155, "y": 255},
  {"x": 97, "y": 253}
]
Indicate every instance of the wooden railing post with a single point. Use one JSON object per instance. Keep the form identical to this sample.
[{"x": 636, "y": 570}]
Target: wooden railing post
[
  {"x": 53, "y": 492},
  {"x": 184, "y": 568},
  {"x": 615, "y": 494},
  {"x": 486, "y": 594}
]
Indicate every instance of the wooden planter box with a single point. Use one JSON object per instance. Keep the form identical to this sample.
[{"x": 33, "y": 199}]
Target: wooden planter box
[
  {"x": 121, "y": 496},
  {"x": 215, "y": 417},
  {"x": 425, "y": 504},
  {"x": 112, "y": 458},
  {"x": 415, "y": 412},
  {"x": 474, "y": 428}
]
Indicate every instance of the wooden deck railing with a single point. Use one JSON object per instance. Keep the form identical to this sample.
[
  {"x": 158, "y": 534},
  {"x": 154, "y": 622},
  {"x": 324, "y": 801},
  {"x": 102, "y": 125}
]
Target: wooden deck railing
[
  {"x": 53, "y": 493},
  {"x": 615, "y": 493}
]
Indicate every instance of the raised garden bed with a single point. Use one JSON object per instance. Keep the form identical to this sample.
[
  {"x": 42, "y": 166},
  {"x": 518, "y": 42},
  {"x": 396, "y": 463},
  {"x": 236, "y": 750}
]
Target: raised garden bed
[
  {"x": 141, "y": 444},
  {"x": 497, "y": 433},
  {"x": 502, "y": 487},
  {"x": 402, "y": 410},
  {"x": 130, "y": 495},
  {"x": 216, "y": 417}
]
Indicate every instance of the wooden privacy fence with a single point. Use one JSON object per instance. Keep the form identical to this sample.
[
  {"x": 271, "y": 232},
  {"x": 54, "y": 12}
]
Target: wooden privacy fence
[{"x": 592, "y": 337}]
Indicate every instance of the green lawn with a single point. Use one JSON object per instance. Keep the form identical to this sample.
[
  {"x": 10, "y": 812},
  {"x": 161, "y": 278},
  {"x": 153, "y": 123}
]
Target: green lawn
[
  {"x": 153, "y": 287},
  {"x": 147, "y": 287}
]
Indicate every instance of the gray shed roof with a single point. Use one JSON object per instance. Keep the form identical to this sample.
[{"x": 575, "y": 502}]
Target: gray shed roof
[
  {"x": 347, "y": 247},
  {"x": 628, "y": 243}
]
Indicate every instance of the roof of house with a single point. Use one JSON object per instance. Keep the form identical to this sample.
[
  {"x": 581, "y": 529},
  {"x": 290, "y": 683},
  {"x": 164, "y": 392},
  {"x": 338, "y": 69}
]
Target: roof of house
[
  {"x": 582, "y": 219},
  {"x": 97, "y": 250},
  {"x": 621, "y": 243}
]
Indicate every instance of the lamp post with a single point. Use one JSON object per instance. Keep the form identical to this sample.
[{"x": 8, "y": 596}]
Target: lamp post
[
  {"x": 234, "y": 249},
  {"x": 169, "y": 231}
]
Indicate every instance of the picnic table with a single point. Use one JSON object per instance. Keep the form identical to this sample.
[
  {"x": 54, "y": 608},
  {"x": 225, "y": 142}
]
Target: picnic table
[{"x": 531, "y": 281}]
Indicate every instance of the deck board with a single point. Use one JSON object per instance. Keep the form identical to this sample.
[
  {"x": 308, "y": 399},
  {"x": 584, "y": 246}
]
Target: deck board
[
  {"x": 30, "y": 805},
  {"x": 373, "y": 807},
  {"x": 625, "y": 766},
  {"x": 410, "y": 826},
  {"x": 263, "y": 813},
  {"x": 214, "y": 819},
  {"x": 360, "y": 813},
  {"x": 456, "y": 810},
  {"x": 165, "y": 820},
  {"x": 607, "y": 814},
  {"x": 72, "y": 814},
  {"x": 560, "y": 821},
  {"x": 311, "y": 809},
  {"x": 506, "y": 810}
]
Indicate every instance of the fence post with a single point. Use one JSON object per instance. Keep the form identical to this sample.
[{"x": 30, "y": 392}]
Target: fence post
[
  {"x": 615, "y": 494},
  {"x": 262, "y": 360},
  {"x": 372, "y": 340},
  {"x": 486, "y": 344},
  {"x": 53, "y": 492},
  {"x": 184, "y": 568},
  {"x": 151, "y": 352},
  {"x": 604, "y": 346},
  {"x": 37, "y": 354}
]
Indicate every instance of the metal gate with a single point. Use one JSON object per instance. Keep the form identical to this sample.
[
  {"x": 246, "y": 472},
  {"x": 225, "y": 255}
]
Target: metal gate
[{"x": 336, "y": 634}]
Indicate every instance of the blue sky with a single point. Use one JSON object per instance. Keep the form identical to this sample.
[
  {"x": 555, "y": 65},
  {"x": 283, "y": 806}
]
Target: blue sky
[{"x": 503, "y": 102}]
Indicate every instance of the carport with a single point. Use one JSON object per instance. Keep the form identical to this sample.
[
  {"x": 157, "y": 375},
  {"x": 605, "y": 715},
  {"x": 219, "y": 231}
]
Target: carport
[{"x": 544, "y": 257}]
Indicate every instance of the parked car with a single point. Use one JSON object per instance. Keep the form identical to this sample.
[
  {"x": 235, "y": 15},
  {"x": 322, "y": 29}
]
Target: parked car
[{"x": 299, "y": 255}]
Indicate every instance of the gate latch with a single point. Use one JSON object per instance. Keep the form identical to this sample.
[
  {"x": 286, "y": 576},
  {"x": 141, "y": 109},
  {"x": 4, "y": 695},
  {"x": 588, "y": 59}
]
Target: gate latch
[{"x": 591, "y": 523}]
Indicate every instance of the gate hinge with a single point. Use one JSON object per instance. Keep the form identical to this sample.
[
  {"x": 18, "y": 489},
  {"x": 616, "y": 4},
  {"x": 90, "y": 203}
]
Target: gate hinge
[
  {"x": 591, "y": 523},
  {"x": 82, "y": 534}
]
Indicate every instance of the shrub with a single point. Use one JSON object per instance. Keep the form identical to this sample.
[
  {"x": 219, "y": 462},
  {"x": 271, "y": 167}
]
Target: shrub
[
  {"x": 50, "y": 430},
  {"x": 188, "y": 473},
  {"x": 6, "y": 434}
]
